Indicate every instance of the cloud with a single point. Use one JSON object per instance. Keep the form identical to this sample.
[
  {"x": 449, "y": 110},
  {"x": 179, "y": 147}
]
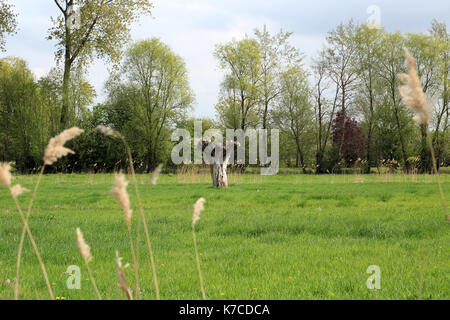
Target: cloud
[
  {"x": 39, "y": 72},
  {"x": 193, "y": 28}
]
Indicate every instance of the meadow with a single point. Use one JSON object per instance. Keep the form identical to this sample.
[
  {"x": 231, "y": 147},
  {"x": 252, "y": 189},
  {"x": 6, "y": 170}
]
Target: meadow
[{"x": 266, "y": 237}]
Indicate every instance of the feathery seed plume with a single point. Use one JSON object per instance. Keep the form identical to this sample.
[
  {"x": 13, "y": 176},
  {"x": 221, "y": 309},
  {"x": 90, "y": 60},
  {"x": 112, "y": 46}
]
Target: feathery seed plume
[
  {"x": 412, "y": 92},
  {"x": 17, "y": 190},
  {"x": 120, "y": 193},
  {"x": 56, "y": 149},
  {"x": 198, "y": 208},
  {"x": 155, "y": 175},
  {"x": 109, "y": 132},
  {"x": 84, "y": 248},
  {"x": 5, "y": 173}
]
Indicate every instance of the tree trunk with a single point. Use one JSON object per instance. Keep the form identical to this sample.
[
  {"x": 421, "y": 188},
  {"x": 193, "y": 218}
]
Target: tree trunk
[
  {"x": 369, "y": 146},
  {"x": 402, "y": 141},
  {"x": 65, "y": 94},
  {"x": 425, "y": 153},
  {"x": 219, "y": 175}
]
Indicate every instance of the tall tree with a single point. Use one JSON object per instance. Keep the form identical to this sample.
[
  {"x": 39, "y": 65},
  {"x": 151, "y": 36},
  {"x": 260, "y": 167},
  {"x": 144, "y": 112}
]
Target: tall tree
[
  {"x": 425, "y": 50},
  {"x": 340, "y": 54},
  {"x": 149, "y": 96},
  {"x": 239, "y": 96},
  {"x": 8, "y": 22},
  {"x": 324, "y": 108},
  {"x": 91, "y": 28},
  {"x": 22, "y": 129},
  {"x": 366, "y": 60},
  {"x": 442, "y": 36},
  {"x": 293, "y": 111},
  {"x": 276, "y": 56},
  {"x": 392, "y": 62}
]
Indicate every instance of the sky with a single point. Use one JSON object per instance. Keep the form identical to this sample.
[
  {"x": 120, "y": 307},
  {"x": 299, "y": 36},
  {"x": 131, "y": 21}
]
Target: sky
[{"x": 192, "y": 28}]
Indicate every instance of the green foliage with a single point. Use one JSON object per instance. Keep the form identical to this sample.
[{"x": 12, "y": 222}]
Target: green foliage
[
  {"x": 91, "y": 28},
  {"x": 238, "y": 101},
  {"x": 8, "y": 22},
  {"x": 148, "y": 98}
]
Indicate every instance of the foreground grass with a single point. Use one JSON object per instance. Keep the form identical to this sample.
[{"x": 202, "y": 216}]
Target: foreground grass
[{"x": 280, "y": 237}]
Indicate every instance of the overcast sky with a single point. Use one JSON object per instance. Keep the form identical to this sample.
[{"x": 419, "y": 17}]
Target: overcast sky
[{"x": 192, "y": 28}]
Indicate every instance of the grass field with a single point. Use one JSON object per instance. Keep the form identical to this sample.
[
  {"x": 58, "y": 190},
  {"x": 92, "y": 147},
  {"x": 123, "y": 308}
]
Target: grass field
[{"x": 275, "y": 237}]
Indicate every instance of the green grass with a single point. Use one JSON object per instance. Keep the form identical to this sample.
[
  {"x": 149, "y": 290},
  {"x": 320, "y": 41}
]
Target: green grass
[{"x": 276, "y": 237}]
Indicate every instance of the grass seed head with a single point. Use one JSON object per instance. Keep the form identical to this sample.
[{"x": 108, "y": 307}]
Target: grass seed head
[
  {"x": 120, "y": 193},
  {"x": 412, "y": 92},
  {"x": 155, "y": 175},
  {"x": 84, "y": 248},
  {"x": 56, "y": 149},
  {"x": 17, "y": 190},
  {"x": 199, "y": 206},
  {"x": 109, "y": 132},
  {"x": 5, "y": 173}
]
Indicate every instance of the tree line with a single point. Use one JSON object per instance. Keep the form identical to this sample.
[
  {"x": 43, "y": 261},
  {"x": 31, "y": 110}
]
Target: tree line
[{"x": 341, "y": 110}]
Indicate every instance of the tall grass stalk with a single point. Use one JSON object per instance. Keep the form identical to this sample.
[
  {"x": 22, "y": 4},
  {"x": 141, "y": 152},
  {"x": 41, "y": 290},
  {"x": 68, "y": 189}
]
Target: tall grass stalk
[
  {"x": 436, "y": 174},
  {"x": 54, "y": 151},
  {"x": 109, "y": 132},
  {"x": 85, "y": 252},
  {"x": 120, "y": 193},
  {"x": 5, "y": 179},
  {"x": 22, "y": 239},
  {"x": 36, "y": 250},
  {"x": 422, "y": 270},
  {"x": 198, "y": 208},
  {"x": 414, "y": 97},
  {"x": 123, "y": 284}
]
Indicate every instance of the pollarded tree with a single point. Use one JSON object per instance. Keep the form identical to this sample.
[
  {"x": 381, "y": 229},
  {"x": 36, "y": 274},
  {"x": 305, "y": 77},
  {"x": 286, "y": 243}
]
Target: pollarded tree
[
  {"x": 148, "y": 97},
  {"x": 8, "y": 22},
  {"x": 293, "y": 112},
  {"x": 91, "y": 28}
]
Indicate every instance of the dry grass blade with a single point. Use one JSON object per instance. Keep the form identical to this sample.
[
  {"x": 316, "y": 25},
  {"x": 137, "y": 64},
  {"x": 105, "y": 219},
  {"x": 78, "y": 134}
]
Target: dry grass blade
[
  {"x": 120, "y": 193},
  {"x": 422, "y": 270},
  {"x": 5, "y": 179},
  {"x": 198, "y": 208},
  {"x": 123, "y": 284}
]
